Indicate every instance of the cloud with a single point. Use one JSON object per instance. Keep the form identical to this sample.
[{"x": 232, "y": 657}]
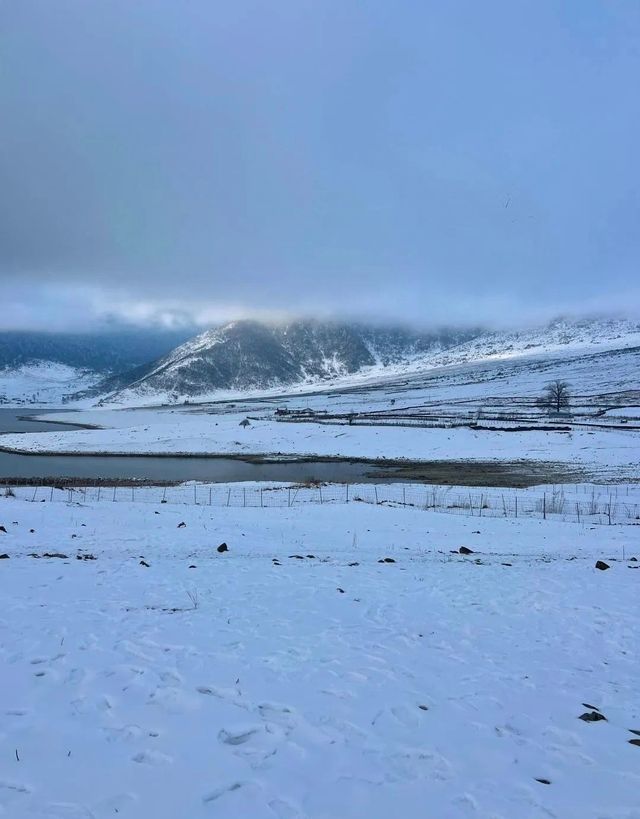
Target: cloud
[
  {"x": 167, "y": 162},
  {"x": 66, "y": 307}
]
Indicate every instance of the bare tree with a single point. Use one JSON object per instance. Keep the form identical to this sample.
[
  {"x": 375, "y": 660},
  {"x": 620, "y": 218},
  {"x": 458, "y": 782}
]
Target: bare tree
[{"x": 555, "y": 396}]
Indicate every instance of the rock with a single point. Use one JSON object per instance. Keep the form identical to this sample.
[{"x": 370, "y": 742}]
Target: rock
[
  {"x": 635, "y": 742},
  {"x": 311, "y": 557},
  {"x": 4, "y": 557},
  {"x": 423, "y": 707},
  {"x": 181, "y": 525},
  {"x": 507, "y": 564},
  {"x": 31, "y": 531},
  {"x": 55, "y": 554},
  {"x": 592, "y": 716},
  {"x": 144, "y": 563},
  {"x": 355, "y": 563},
  {"x": 223, "y": 548},
  {"x": 386, "y": 560},
  {"x": 633, "y": 731},
  {"x": 340, "y": 590},
  {"x": 633, "y": 559},
  {"x": 592, "y": 707},
  {"x": 600, "y": 564},
  {"x": 464, "y": 550},
  {"x": 296, "y": 557},
  {"x": 543, "y": 781},
  {"x": 192, "y": 566},
  {"x": 86, "y": 557},
  {"x": 2, "y": 529}
]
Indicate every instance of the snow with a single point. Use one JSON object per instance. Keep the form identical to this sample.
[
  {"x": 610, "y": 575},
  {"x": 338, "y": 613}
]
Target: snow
[
  {"x": 42, "y": 383},
  {"x": 179, "y": 432},
  {"x": 624, "y": 412},
  {"x": 433, "y": 686},
  {"x": 561, "y": 340}
]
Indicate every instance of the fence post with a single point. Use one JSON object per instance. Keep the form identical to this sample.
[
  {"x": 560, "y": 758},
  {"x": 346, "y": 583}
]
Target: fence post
[
  {"x": 516, "y": 505},
  {"x": 578, "y": 511},
  {"x": 261, "y": 504},
  {"x": 320, "y": 490},
  {"x": 289, "y": 496},
  {"x": 544, "y": 505},
  {"x": 347, "y": 485},
  {"x": 99, "y": 488},
  {"x": 114, "y": 494},
  {"x": 228, "y": 496},
  {"x": 404, "y": 495},
  {"x": 51, "y": 495},
  {"x": 133, "y": 493},
  {"x": 244, "y": 495},
  {"x": 195, "y": 494},
  {"x": 209, "y": 496}
]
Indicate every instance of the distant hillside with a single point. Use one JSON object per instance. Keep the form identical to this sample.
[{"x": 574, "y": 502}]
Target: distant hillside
[
  {"x": 111, "y": 351},
  {"x": 41, "y": 368},
  {"x": 248, "y": 356}
]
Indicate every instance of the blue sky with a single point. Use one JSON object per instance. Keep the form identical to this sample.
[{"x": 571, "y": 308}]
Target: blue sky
[{"x": 419, "y": 161}]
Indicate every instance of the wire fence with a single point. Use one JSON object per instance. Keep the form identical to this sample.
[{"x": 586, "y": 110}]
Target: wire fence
[{"x": 586, "y": 503}]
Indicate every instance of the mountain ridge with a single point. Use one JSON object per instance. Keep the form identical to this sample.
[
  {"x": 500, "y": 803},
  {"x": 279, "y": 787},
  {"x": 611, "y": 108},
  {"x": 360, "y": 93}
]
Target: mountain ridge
[{"x": 249, "y": 356}]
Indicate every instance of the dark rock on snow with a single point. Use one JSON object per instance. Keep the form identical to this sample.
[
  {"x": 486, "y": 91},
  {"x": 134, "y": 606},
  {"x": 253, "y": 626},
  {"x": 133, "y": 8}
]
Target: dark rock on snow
[{"x": 592, "y": 716}]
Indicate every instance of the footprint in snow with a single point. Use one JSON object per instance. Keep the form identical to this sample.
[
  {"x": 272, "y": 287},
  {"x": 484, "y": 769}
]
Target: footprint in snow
[
  {"x": 147, "y": 757},
  {"x": 238, "y": 736},
  {"x": 218, "y": 792}
]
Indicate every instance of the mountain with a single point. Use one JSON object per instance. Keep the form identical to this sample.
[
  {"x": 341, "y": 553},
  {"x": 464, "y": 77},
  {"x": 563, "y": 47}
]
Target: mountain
[
  {"x": 108, "y": 351},
  {"x": 249, "y": 356},
  {"x": 40, "y": 367},
  {"x": 146, "y": 366}
]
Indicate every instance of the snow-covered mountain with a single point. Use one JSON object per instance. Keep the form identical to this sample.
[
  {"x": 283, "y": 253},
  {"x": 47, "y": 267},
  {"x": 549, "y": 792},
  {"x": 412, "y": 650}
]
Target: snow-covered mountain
[
  {"x": 43, "y": 383},
  {"x": 248, "y": 357},
  {"x": 41, "y": 368}
]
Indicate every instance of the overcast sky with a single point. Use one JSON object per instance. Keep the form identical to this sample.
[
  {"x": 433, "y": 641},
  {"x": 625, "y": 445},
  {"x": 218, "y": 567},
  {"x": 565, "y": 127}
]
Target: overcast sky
[{"x": 422, "y": 160}]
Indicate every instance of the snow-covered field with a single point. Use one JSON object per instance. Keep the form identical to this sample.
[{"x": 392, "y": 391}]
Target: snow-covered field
[
  {"x": 254, "y": 684},
  {"x": 609, "y": 453}
]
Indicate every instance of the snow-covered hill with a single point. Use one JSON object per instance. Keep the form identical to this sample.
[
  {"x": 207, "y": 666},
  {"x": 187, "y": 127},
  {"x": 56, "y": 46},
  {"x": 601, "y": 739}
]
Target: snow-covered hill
[
  {"x": 249, "y": 358},
  {"x": 41, "y": 367},
  {"x": 43, "y": 383}
]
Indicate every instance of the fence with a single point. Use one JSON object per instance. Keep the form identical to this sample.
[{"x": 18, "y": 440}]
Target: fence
[{"x": 576, "y": 502}]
